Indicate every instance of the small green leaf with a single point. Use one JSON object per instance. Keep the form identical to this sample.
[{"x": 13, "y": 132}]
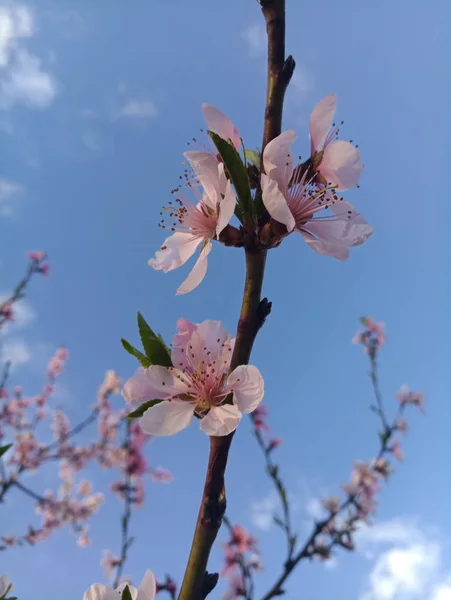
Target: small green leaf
[
  {"x": 4, "y": 449},
  {"x": 145, "y": 362},
  {"x": 126, "y": 594},
  {"x": 155, "y": 348},
  {"x": 142, "y": 409},
  {"x": 253, "y": 156},
  {"x": 237, "y": 171}
]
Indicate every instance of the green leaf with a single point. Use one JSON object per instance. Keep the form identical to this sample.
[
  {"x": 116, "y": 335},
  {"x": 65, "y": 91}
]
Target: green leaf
[
  {"x": 142, "y": 409},
  {"x": 253, "y": 156},
  {"x": 4, "y": 449},
  {"x": 126, "y": 594},
  {"x": 237, "y": 172},
  {"x": 155, "y": 348},
  {"x": 145, "y": 362}
]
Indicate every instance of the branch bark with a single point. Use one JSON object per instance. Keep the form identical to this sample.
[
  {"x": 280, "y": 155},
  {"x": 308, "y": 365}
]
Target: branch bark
[{"x": 254, "y": 310}]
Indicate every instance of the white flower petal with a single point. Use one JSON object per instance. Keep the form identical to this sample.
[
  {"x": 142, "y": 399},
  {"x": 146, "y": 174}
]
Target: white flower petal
[
  {"x": 155, "y": 383},
  {"x": 226, "y": 208},
  {"x": 5, "y": 584},
  {"x": 221, "y": 125},
  {"x": 139, "y": 389},
  {"x": 321, "y": 121},
  {"x": 248, "y": 387},
  {"x": 277, "y": 158},
  {"x": 175, "y": 251},
  {"x": 98, "y": 591},
  {"x": 275, "y": 202},
  {"x": 209, "y": 341},
  {"x": 341, "y": 165},
  {"x": 206, "y": 168},
  {"x": 167, "y": 418},
  {"x": 221, "y": 420},
  {"x": 197, "y": 273},
  {"x": 148, "y": 588}
]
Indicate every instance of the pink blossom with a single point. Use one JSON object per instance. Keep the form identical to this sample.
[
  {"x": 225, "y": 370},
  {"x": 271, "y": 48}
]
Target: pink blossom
[
  {"x": 161, "y": 475},
  {"x": 336, "y": 161},
  {"x": 84, "y": 540},
  {"x": 405, "y": 396},
  {"x": 274, "y": 443},
  {"x": 221, "y": 125},
  {"x": 242, "y": 539},
  {"x": 110, "y": 385},
  {"x": 197, "y": 224},
  {"x": 7, "y": 312},
  {"x": 383, "y": 467},
  {"x": 36, "y": 255},
  {"x": 44, "y": 269},
  {"x": 372, "y": 337},
  {"x": 259, "y": 415},
  {"x": 237, "y": 588},
  {"x": 109, "y": 562},
  {"x": 62, "y": 353},
  {"x": 230, "y": 560},
  {"x": 297, "y": 206},
  {"x": 84, "y": 487},
  {"x": 401, "y": 425},
  {"x": 55, "y": 367},
  {"x": 5, "y": 585},
  {"x": 199, "y": 384},
  {"x": 362, "y": 477},
  {"x": 146, "y": 591},
  {"x": 332, "y": 503},
  {"x": 397, "y": 450}
]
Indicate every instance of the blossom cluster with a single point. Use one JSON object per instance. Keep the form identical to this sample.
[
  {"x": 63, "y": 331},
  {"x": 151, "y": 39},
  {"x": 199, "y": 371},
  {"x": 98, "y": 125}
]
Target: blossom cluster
[{"x": 303, "y": 198}]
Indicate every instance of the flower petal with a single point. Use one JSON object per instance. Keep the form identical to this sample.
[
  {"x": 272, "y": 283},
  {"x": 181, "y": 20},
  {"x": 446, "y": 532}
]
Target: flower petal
[
  {"x": 325, "y": 247},
  {"x": 148, "y": 588},
  {"x": 226, "y": 208},
  {"x": 167, "y": 418},
  {"x": 358, "y": 230},
  {"x": 98, "y": 591},
  {"x": 275, "y": 202},
  {"x": 321, "y": 121},
  {"x": 206, "y": 168},
  {"x": 175, "y": 251},
  {"x": 277, "y": 158},
  {"x": 341, "y": 165},
  {"x": 248, "y": 387},
  {"x": 197, "y": 273},
  {"x": 166, "y": 382},
  {"x": 221, "y": 125},
  {"x": 209, "y": 341},
  {"x": 221, "y": 420},
  {"x": 139, "y": 389},
  {"x": 180, "y": 340}
]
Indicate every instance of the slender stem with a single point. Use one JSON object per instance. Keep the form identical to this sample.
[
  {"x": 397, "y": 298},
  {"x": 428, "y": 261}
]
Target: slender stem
[
  {"x": 214, "y": 500},
  {"x": 377, "y": 391},
  {"x": 252, "y": 316},
  {"x": 125, "y": 521}
]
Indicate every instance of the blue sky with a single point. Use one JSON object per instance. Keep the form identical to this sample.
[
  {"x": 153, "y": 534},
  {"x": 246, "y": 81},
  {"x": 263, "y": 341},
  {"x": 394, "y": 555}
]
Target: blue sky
[{"x": 98, "y": 101}]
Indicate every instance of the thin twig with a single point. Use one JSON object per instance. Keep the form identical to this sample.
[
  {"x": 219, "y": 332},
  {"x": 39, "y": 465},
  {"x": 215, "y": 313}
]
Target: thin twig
[{"x": 125, "y": 520}]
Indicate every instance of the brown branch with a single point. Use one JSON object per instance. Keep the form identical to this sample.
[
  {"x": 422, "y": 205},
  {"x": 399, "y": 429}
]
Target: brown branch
[{"x": 252, "y": 316}]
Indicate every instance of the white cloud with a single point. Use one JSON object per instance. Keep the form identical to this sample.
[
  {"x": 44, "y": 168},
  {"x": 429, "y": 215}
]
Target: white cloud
[
  {"x": 22, "y": 78},
  {"x": 255, "y": 38},
  {"x": 140, "y": 109},
  {"x": 8, "y": 193},
  {"x": 262, "y": 511},
  {"x": 23, "y": 315},
  {"x": 409, "y": 569},
  {"x": 16, "y": 351}
]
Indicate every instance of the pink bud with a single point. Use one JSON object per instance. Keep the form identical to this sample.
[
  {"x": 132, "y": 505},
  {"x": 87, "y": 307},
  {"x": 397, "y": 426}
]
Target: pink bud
[{"x": 36, "y": 255}]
